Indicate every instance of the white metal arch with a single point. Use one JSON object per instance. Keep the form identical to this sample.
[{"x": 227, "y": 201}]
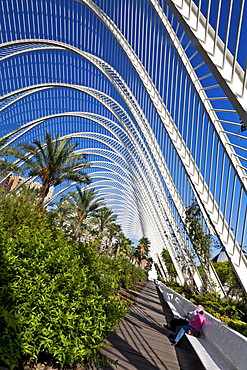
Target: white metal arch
[
  {"x": 215, "y": 53},
  {"x": 214, "y": 214},
  {"x": 108, "y": 102},
  {"x": 162, "y": 221},
  {"x": 96, "y": 137},
  {"x": 107, "y": 67},
  {"x": 145, "y": 128},
  {"x": 136, "y": 110}
]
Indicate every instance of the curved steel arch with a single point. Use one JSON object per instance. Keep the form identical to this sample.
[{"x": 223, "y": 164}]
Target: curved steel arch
[
  {"x": 153, "y": 93},
  {"x": 95, "y": 136},
  {"x": 216, "y": 54},
  {"x": 222, "y": 228},
  {"x": 205, "y": 199},
  {"x": 142, "y": 121},
  {"x": 145, "y": 127},
  {"x": 169, "y": 214},
  {"x": 192, "y": 267},
  {"x": 165, "y": 172}
]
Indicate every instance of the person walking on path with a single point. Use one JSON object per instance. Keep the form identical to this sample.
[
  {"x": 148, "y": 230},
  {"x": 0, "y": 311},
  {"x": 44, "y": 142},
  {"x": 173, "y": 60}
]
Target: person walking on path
[{"x": 196, "y": 322}]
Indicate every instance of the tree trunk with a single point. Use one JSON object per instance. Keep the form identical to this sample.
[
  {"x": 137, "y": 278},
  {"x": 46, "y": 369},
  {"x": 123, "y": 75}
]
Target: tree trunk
[
  {"x": 109, "y": 249},
  {"x": 44, "y": 190},
  {"x": 77, "y": 229},
  {"x": 118, "y": 250}
]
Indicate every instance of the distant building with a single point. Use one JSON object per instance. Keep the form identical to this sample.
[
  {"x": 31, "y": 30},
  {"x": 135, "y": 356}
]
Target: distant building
[
  {"x": 220, "y": 257},
  {"x": 9, "y": 181}
]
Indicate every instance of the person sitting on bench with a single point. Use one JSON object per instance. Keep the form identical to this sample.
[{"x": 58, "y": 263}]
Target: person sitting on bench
[
  {"x": 196, "y": 323},
  {"x": 180, "y": 321}
]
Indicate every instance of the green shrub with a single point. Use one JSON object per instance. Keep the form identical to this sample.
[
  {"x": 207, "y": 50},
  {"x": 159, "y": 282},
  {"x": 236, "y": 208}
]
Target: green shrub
[
  {"x": 213, "y": 304},
  {"x": 171, "y": 270},
  {"x": 239, "y": 326},
  {"x": 122, "y": 272},
  {"x": 53, "y": 297},
  {"x": 184, "y": 291}
]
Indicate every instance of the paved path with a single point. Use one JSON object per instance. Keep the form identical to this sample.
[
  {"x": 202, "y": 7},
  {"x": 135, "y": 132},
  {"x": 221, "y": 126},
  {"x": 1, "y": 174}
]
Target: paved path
[{"x": 140, "y": 343}]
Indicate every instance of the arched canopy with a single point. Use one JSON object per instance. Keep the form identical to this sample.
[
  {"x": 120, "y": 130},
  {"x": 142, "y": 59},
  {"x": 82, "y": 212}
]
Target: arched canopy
[{"x": 154, "y": 92}]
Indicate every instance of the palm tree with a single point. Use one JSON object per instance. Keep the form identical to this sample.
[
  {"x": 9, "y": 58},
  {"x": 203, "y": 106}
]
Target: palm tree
[
  {"x": 105, "y": 217},
  {"x": 143, "y": 248},
  {"x": 118, "y": 243},
  {"x": 127, "y": 248},
  {"x": 54, "y": 162},
  {"x": 124, "y": 246},
  {"x": 83, "y": 204},
  {"x": 112, "y": 232},
  {"x": 149, "y": 263}
]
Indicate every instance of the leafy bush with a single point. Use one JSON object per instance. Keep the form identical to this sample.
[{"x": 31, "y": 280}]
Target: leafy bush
[
  {"x": 239, "y": 326},
  {"x": 53, "y": 297},
  {"x": 172, "y": 273},
  {"x": 122, "y": 272},
  {"x": 228, "y": 278},
  {"x": 213, "y": 304},
  {"x": 184, "y": 291}
]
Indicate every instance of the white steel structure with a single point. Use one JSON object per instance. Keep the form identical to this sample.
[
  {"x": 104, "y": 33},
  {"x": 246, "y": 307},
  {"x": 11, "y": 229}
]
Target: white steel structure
[{"x": 154, "y": 92}]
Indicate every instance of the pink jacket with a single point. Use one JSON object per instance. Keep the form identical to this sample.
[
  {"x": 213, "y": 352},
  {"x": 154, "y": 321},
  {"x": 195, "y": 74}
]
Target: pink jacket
[{"x": 197, "y": 324}]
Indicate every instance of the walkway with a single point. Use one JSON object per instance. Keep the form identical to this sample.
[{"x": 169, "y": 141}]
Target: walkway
[{"x": 139, "y": 343}]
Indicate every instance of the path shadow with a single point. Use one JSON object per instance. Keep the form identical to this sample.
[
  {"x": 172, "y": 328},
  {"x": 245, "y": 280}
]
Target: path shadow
[{"x": 133, "y": 356}]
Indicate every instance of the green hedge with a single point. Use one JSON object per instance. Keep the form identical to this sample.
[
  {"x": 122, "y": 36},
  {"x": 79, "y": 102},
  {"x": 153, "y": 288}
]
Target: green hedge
[
  {"x": 55, "y": 299},
  {"x": 239, "y": 326},
  {"x": 122, "y": 271}
]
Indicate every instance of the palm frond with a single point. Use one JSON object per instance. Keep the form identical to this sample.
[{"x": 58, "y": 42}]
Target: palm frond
[{"x": 54, "y": 161}]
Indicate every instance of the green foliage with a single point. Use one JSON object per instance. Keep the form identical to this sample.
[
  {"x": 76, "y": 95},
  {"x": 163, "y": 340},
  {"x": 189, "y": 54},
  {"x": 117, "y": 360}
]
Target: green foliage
[
  {"x": 201, "y": 242},
  {"x": 215, "y": 305},
  {"x": 55, "y": 298},
  {"x": 169, "y": 264},
  {"x": 105, "y": 217},
  {"x": 53, "y": 162},
  {"x": 227, "y": 277},
  {"x": 113, "y": 231},
  {"x": 239, "y": 326},
  {"x": 123, "y": 246},
  {"x": 225, "y": 272},
  {"x": 77, "y": 206},
  {"x": 183, "y": 290},
  {"x": 122, "y": 272},
  {"x": 143, "y": 248}
]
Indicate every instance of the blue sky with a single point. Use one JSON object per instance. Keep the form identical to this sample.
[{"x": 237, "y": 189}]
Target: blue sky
[{"x": 73, "y": 23}]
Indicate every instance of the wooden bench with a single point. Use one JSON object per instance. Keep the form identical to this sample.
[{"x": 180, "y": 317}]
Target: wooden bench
[{"x": 211, "y": 355}]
